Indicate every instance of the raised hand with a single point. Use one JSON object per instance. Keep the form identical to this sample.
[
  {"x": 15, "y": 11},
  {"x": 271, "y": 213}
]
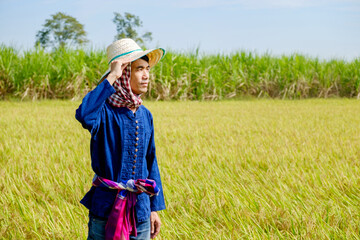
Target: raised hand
[{"x": 116, "y": 68}]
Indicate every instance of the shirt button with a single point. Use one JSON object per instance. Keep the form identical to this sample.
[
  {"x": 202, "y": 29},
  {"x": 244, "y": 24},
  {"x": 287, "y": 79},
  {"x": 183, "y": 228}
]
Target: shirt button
[
  {"x": 133, "y": 173},
  {"x": 137, "y": 127},
  {"x": 134, "y": 167},
  {"x": 136, "y": 144},
  {"x": 134, "y": 161},
  {"x": 137, "y": 139},
  {"x": 135, "y": 156},
  {"x": 136, "y": 150},
  {"x": 136, "y": 133},
  {"x": 136, "y": 121}
]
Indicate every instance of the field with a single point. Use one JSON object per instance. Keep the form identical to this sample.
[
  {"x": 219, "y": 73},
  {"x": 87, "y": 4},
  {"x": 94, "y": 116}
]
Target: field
[
  {"x": 249, "y": 169},
  {"x": 68, "y": 74}
]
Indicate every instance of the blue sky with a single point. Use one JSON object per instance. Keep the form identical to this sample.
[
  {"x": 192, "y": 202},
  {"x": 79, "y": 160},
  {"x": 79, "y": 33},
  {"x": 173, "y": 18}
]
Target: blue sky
[{"x": 317, "y": 28}]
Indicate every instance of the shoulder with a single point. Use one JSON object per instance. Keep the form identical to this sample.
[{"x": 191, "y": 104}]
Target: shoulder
[
  {"x": 147, "y": 116},
  {"x": 146, "y": 112}
]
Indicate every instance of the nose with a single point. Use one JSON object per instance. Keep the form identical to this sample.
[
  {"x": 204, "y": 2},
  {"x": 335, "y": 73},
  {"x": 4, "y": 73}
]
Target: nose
[{"x": 145, "y": 75}]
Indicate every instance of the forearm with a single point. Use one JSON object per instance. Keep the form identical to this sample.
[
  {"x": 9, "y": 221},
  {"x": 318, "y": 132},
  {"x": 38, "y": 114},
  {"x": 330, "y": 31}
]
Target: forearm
[
  {"x": 112, "y": 78},
  {"x": 157, "y": 203}
]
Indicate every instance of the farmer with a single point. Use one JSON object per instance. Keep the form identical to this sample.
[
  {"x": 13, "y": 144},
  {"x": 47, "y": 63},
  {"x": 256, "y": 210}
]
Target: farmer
[{"x": 126, "y": 191}]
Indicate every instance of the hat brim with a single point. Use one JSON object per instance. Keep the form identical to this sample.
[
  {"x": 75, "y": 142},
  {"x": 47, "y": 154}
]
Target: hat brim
[{"x": 154, "y": 55}]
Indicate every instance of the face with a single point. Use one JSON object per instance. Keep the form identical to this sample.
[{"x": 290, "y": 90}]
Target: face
[{"x": 139, "y": 80}]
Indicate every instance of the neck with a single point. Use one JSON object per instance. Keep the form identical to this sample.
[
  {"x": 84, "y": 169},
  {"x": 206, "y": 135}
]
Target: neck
[{"x": 133, "y": 109}]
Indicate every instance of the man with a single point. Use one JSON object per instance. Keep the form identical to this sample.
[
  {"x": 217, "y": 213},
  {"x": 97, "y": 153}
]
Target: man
[{"x": 123, "y": 148}]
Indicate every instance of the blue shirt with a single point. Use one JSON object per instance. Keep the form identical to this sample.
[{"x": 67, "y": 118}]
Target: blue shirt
[{"x": 122, "y": 147}]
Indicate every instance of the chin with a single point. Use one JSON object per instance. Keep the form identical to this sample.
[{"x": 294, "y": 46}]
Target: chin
[
  {"x": 142, "y": 91},
  {"x": 139, "y": 91}
]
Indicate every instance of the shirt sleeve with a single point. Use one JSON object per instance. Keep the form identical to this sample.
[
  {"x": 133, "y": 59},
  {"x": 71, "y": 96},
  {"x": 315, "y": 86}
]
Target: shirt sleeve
[
  {"x": 89, "y": 110},
  {"x": 157, "y": 203}
]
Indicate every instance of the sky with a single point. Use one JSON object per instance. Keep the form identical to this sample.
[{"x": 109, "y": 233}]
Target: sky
[{"x": 317, "y": 28}]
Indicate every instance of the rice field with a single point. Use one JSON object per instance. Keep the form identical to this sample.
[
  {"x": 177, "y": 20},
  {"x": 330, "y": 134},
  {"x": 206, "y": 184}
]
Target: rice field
[{"x": 249, "y": 169}]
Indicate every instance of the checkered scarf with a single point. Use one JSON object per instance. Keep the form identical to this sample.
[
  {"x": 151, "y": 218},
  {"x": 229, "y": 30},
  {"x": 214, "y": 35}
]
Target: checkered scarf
[
  {"x": 121, "y": 222},
  {"x": 124, "y": 97}
]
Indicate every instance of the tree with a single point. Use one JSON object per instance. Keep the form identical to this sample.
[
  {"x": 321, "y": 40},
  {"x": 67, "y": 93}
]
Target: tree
[
  {"x": 125, "y": 27},
  {"x": 61, "y": 30}
]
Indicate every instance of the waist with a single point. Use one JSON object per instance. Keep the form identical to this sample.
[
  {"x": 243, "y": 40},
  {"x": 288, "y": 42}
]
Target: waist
[{"x": 97, "y": 217}]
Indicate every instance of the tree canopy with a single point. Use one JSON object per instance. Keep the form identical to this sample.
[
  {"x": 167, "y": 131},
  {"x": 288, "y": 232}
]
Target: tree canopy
[
  {"x": 60, "y": 31},
  {"x": 126, "y": 27}
]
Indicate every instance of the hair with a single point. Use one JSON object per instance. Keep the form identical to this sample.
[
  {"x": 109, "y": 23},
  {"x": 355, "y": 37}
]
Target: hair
[{"x": 146, "y": 58}]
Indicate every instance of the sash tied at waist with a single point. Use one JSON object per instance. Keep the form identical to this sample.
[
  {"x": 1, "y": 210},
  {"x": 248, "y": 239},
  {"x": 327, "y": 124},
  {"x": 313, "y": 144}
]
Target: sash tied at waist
[{"x": 121, "y": 222}]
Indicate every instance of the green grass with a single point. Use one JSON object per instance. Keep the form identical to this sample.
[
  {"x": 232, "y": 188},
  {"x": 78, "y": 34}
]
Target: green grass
[
  {"x": 69, "y": 74},
  {"x": 251, "y": 169}
]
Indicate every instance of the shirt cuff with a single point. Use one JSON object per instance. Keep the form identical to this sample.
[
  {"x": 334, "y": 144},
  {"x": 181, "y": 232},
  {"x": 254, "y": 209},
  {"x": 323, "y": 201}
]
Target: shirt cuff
[{"x": 109, "y": 87}]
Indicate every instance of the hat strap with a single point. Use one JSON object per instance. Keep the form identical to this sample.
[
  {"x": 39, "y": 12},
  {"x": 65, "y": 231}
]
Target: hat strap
[{"x": 124, "y": 54}]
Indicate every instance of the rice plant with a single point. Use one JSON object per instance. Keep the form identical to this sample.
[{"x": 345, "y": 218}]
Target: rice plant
[{"x": 250, "y": 169}]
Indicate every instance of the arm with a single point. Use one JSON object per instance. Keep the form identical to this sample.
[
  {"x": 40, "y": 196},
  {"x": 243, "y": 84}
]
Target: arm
[
  {"x": 89, "y": 110},
  {"x": 157, "y": 203}
]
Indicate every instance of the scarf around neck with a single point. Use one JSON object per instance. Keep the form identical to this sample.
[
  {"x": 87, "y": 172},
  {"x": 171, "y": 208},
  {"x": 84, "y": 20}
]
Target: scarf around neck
[{"x": 124, "y": 97}]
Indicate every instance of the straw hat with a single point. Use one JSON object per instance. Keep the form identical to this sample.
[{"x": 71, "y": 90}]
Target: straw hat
[{"x": 130, "y": 51}]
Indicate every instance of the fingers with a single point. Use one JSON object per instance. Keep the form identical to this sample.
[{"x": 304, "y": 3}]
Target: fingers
[
  {"x": 152, "y": 224},
  {"x": 155, "y": 224},
  {"x": 124, "y": 65},
  {"x": 117, "y": 66},
  {"x": 122, "y": 62}
]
